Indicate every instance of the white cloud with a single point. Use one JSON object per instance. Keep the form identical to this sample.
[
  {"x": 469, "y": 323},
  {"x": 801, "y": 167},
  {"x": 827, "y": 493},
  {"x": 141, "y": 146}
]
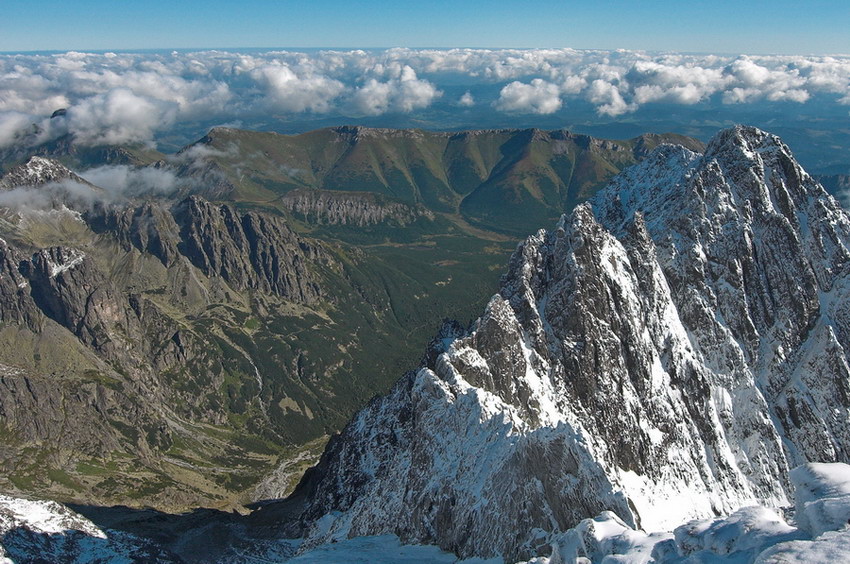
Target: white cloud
[
  {"x": 48, "y": 196},
  {"x": 608, "y": 99},
  {"x": 573, "y": 84},
  {"x": 467, "y": 100},
  {"x": 121, "y": 97},
  {"x": 402, "y": 92},
  {"x": 673, "y": 82},
  {"x": 373, "y": 98},
  {"x": 286, "y": 91},
  {"x": 13, "y": 124},
  {"x": 199, "y": 152},
  {"x": 791, "y": 95},
  {"x": 24, "y": 91},
  {"x": 127, "y": 181},
  {"x": 414, "y": 93},
  {"x": 538, "y": 97},
  {"x": 119, "y": 116},
  {"x": 112, "y": 183}
]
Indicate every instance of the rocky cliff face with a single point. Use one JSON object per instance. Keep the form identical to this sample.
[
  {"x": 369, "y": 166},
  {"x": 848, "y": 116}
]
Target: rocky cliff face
[
  {"x": 360, "y": 209},
  {"x": 149, "y": 227},
  {"x": 668, "y": 352},
  {"x": 250, "y": 251},
  {"x": 70, "y": 289},
  {"x": 16, "y": 305},
  {"x": 60, "y": 295}
]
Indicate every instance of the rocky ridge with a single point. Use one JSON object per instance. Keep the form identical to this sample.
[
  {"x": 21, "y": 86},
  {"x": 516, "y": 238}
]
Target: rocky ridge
[
  {"x": 341, "y": 208},
  {"x": 836, "y": 184},
  {"x": 37, "y": 171},
  {"x": 509, "y": 181},
  {"x": 93, "y": 346},
  {"x": 668, "y": 352}
]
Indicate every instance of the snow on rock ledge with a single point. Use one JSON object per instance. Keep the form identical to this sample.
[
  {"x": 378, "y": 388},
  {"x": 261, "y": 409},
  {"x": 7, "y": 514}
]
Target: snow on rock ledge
[
  {"x": 751, "y": 534},
  {"x": 822, "y": 497}
]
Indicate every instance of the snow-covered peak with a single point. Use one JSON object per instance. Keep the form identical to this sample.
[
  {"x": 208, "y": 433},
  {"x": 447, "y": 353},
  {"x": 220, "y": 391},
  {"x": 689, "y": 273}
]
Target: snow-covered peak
[
  {"x": 43, "y": 184},
  {"x": 744, "y": 171},
  {"x": 744, "y": 143},
  {"x": 38, "y": 171},
  {"x": 667, "y": 353}
]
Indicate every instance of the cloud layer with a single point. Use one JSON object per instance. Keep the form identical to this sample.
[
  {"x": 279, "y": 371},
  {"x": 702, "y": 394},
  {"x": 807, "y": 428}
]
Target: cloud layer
[
  {"x": 127, "y": 97},
  {"x": 108, "y": 184}
]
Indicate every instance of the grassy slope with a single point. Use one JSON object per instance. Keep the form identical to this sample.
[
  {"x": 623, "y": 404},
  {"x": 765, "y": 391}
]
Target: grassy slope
[{"x": 507, "y": 181}]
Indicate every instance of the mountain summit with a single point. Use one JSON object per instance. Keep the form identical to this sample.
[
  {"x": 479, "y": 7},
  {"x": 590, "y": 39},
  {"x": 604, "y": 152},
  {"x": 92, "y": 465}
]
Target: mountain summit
[{"x": 670, "y": 351}]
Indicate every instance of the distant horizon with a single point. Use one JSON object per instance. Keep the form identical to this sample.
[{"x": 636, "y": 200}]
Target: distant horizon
[
  {"x": 270, "y": 49},
  {"x": 724, "y": 26}
]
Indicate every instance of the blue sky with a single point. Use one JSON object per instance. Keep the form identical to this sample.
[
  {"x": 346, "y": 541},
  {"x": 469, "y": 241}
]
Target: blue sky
[{"x": 721, "y": 26}]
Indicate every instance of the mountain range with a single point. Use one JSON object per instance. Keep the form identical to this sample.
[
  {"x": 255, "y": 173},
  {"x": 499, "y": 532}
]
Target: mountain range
[{"x": 659, "y": 377}]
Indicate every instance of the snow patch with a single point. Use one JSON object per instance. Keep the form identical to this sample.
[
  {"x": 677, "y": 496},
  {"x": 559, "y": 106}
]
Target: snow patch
[
  {"x": 74, "y": 258},
  {"x": 46, "y": 517}
]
